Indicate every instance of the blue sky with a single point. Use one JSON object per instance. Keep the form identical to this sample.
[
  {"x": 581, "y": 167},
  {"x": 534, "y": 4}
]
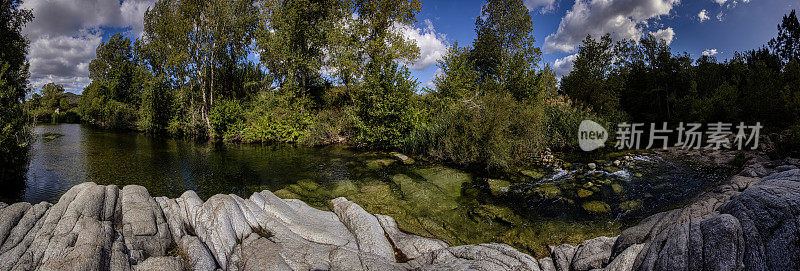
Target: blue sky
[{"x": 65, "y": 33}]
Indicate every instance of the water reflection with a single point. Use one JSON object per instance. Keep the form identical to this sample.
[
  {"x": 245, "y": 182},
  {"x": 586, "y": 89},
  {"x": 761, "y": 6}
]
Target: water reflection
[{"x": 168, "y": 167}]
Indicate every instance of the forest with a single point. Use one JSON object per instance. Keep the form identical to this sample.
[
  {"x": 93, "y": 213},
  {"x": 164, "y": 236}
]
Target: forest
[{"x": 335, "y": 71}]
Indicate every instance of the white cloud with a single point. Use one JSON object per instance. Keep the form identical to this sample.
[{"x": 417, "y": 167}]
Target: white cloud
[
  {"x": 703, "y": 15},
  {"x": 720, "y": 16},
  {"x": 563, "y": 66},
  {"x": 720, "y": 2},
  {"x": 710, "y": 52},
  {"x": 543, "y": 6},
  {"x": 623, "y": 19},
  {"x": 431, "y": 44},
  {"x": 666, "y": 35},
  {"x": 64, "y": 35}
]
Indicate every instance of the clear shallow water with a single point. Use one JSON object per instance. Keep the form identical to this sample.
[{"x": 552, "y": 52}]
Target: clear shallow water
[{"x": 425, "y": 198}]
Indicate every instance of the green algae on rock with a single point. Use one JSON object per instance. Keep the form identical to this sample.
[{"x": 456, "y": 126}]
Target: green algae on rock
[{"x": 596, "y": 207}]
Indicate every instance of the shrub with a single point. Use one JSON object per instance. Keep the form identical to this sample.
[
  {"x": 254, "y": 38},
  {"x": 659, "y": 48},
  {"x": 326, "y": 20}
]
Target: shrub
[
  {"x": 225, "y": 117},
  {"x": 382, "y": 113},
  {"x": 494, "y": 130},
  {"x": 328, "y": 127},
  {"x": 562, "y": 118}
]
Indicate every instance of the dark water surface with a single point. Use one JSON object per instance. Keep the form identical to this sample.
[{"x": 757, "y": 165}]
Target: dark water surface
[{"x": 168, "y": 167}]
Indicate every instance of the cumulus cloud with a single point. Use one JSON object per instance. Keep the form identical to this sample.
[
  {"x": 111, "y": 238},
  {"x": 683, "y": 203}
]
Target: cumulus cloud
[
  {"x": 563, "y": 66},
  {"x": 720, "y": 2},
  {"x": 543, "y": 6},
  {"x": 623, "y": 19},
  {"x": 703, "y": 15},
  {"x": 710, "y": 52},
  {"x": 431, "y": 44},
  {"x": 666, "y": 34},
  {"x": 64, "y": 35}
]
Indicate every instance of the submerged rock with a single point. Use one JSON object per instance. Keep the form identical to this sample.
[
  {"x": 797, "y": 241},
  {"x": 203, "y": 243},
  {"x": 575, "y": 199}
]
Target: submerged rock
[
  {"x": 596, "y": 207},
  {"x": 498, "y": 187}
]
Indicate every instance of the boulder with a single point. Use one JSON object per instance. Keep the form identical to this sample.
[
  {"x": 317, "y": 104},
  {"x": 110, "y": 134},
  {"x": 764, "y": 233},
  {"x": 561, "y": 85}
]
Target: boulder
[
  {"x": 562, "y": 256},
  {"x": 411, "y": 246},
  {"x": 365, "y": 227},
  {"x": 593, "y": 253},
  {"x": 144, "y": 227},
  {"x": 160, "y": 264}
]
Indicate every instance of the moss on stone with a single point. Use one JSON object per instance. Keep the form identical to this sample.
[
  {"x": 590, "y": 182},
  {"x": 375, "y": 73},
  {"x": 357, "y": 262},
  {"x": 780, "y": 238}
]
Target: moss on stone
[
  {"x": 498, "y": 187},
  {"x": 617, "y": 188},
  {"x": 583, "y": 193},
  {"x": 547, "y": 191},
  {"x": 596, "y": 207},
  {"x": 631, "y": 205},
  {"x": 535, "y": 174}
]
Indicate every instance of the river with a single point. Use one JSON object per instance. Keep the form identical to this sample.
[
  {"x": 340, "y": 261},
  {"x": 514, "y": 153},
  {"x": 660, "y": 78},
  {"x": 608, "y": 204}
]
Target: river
[{"x": 426, "y": 198}]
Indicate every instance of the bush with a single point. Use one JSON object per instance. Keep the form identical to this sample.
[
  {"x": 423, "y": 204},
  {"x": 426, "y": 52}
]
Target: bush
[
  {"x": 225, "y": 117},
  {"x": 494, "y": 130},
  {"x": 383, "y": 113},
  {"x": 273, "y": 117},
  {"x": 562, "y": 118},
  {"x": 328, "y": 127}
]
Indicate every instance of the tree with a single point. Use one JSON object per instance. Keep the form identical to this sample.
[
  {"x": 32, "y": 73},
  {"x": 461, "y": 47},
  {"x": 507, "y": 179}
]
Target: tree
[
  {"x": 189, "y": 42},
  {"x": 504, "y": 54},
  {"x": 458, "y": 79},
  {"x": 118, "y": 78},
  {"x": 591, "y": 80},
  {"x": 14, "y": 132},
  {"x": 787, "y": 44},
  {"x": 371, "y": 30},
  {"x": 293, "y": 38},
  {"x": 383, "y": 105},
  {"x": 52, "y": 94}
]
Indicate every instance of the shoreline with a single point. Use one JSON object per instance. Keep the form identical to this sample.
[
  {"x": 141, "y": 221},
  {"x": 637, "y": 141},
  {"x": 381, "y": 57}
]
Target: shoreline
[{"x": 95, "y": 227}]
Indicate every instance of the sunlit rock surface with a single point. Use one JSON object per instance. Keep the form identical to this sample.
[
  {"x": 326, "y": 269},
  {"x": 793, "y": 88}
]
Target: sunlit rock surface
[{"x": 750, "y": 222}]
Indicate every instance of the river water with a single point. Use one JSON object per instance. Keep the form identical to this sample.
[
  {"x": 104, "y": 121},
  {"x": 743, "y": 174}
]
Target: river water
[{"x": 426, "y": 198}]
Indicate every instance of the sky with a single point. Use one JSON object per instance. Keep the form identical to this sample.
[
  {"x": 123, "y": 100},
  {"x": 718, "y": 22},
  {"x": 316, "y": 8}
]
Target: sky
[{"x": 65, "y": 33}]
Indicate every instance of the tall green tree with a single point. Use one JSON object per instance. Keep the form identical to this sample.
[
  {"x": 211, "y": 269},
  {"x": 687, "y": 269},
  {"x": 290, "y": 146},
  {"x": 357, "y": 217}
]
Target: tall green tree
[
  {"x": 371, "y": 29},
  {"x": 595, "y": 79},
  {"x": 118, "y": 78},
  {"x": 14, "y": 132},
  {"x": 504, "y": 54},
  {"x": 293, "y": 38},
  {"x": 52, "y": 94},
  {"x": 191, "y": 41},
  {"x": 787, "y": 44}
]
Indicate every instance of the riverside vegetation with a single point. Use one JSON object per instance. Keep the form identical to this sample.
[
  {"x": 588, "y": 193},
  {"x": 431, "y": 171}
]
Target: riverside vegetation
[
  {"x": 340, "y": 78},
  {"x": 328, "y": 76}
]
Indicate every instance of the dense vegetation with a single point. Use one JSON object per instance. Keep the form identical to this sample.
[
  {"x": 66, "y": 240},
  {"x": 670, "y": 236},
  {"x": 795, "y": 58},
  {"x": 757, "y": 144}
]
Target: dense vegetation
[
  {"x": 651, "y": 84},
  {"x": 14, "y": 132},
  {"x": 333, "y": 71}
]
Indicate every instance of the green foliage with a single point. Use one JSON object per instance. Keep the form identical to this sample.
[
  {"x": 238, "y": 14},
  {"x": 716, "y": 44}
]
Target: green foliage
[
  {"x": 383, "y": 111},
  {"x": 458, "y": 79},
  {"x": 504, "y": 54},
  {"x": 329, "y": 126},
  {"x": 225, "y": 116},
  {"x": 14, "y": 131},
  {"x": 292, "y": 41},
  {"x": 156, "y": 106},
  {"x": 787, "y": 44},
  {"x": 595, "y": 80},
  {"x": 113, "y": 98},
  {"x": 52, "y": 94},
  {"x": 494, "y": 130},
  {"x": 562, "y": 118}
]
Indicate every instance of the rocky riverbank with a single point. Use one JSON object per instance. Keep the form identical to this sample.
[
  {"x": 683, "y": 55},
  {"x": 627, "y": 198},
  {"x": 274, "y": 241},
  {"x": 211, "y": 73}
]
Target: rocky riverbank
[{"x": 749, "y": 222}]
